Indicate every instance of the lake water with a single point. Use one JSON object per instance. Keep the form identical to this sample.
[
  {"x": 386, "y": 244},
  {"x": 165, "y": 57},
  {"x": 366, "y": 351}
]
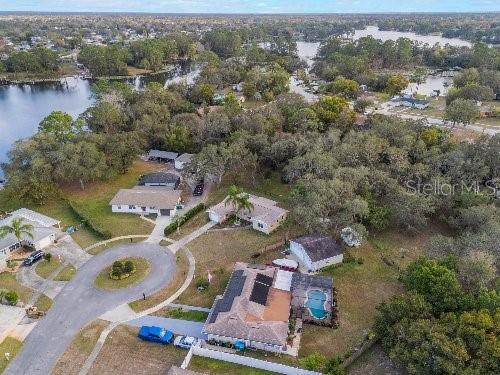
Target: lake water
[
  {"x": 22, "y": 107},
  {"x": 393, "y": 35}
]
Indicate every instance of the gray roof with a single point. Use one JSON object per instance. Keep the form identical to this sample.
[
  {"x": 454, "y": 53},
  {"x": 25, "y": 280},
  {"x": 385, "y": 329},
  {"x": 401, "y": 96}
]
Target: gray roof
[
  {"x": 39, "y": 232},
  {"x": 185, "y": 158},
  {"x": 162, "y": 154},
  {"x": 159, "y": 178},
  {"x": 147, "y": 197},
  {"x": 319, "y": 247}
]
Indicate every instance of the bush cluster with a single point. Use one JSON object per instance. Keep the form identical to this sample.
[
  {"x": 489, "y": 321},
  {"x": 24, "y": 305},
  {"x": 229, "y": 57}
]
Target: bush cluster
[
  {"x": 96, "y": 228},
  {"x": 169, "y": 229},
  {"x": 121, "y": 270}
]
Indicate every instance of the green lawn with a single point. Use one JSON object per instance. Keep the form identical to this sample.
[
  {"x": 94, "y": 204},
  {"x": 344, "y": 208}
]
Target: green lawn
[
  {"x": 44, "y": 303},
  {"x": 101, "y": 248},
  {"x": 213, "y": 366},
  {"x": 9, "y": 345},
  {"x": 8, "y": 281},
  {"x": 105, "y": 282},
  {"x": 194, "y": 316},
  {"x": 66, "y": 273},
  {"x": 45, "y": 268},
  {"x": 93, "y": 203}
]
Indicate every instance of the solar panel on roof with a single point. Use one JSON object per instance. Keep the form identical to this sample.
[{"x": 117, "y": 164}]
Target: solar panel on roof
[
  {"x": 259, "y": 293},
  {"x": 263, "y": 279},
  {"x": 233, "y": 289}
]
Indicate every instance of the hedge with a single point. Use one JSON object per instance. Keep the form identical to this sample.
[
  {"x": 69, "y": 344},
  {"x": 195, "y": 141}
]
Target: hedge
[
  {"x": 103, "y": 233},
  {"x": 172, "y": 227}
]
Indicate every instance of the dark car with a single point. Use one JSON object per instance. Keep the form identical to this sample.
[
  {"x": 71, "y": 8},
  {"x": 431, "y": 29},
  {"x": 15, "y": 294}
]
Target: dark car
[
  {"x": 156, "y": 334},
  {"x": 198, "y": 190},
  {"x": 37, "y": 255}
]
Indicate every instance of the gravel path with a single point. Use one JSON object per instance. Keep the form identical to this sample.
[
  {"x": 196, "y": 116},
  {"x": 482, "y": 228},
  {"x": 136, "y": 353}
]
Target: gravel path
[{"x": 81, "y": 302}]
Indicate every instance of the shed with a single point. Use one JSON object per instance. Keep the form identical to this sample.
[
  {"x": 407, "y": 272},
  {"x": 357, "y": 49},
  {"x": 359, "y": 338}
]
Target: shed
[
  {"x": 163, "y": 156},
  {"x": 316, "y": 251}
]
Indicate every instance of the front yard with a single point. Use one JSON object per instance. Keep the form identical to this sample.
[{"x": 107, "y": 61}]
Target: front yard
[
  {"x": 124, "y": 353},
  {"x": 214, "y": 366},
  {"x": 9, "y": 345}
]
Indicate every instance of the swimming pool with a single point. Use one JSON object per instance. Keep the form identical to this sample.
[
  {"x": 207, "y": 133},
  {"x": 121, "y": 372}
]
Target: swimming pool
[{"x": 316, "y": 303}]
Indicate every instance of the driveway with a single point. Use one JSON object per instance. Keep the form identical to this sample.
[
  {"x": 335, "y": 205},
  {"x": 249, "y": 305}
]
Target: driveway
[
  {"x": 81, "y": 302},
  {"x": 177, "y": 326}
]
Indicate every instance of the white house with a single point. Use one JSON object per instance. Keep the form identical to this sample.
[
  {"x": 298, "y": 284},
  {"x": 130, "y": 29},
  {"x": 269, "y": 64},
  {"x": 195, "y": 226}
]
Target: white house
[
  {"x": 316, "y": 251},
  {"x": 145, "y": 200},
  {"x": 45, "y": 231},
  {"x": 265, "y": 215},
  {"x": 182, "y": 161}
]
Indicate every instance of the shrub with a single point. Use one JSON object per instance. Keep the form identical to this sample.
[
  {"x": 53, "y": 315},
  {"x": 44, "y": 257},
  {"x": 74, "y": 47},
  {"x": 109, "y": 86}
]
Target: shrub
[
  {"x": 313, "y": 362},
  {"x": 47, "y": 256},
  {"x": 201, "y": 283},
  {"x": 101, "y": 232},
  {"x": 128, "y": 267},
  {"x": 172, "y": 227},
  {"x": 11, "y": 297}
]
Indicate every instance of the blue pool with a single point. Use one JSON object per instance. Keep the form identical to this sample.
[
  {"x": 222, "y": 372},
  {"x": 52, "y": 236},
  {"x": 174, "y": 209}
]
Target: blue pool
[{"x": 316, "y": 303}]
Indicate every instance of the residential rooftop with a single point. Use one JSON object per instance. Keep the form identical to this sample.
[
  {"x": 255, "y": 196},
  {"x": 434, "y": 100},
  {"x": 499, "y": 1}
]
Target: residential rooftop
[
  {"x": 319, "y": 247},
  {"x": 147, "y": 196}
]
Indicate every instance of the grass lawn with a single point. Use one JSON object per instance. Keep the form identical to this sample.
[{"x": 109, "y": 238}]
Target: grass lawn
[
  {"x": 361, "y": 288},
  {"x": 9, "y": 345},
  {"x": 8, "y": 281},
  {"x": 198, "y": 220},
  {"x": 100, "y": 249},
  {"x": 93, "y": 203},
  {"x": 45, "y": 268},
  {"x": 66, "y": 273},
  {"x": 194, "y": 316},
  {"x": 214, "y": 366},
  {"x": 104, "y": 281},
  {"x": 44, "y": 303},
  {"x": 182, "y": 266},
  {"x": 217, "y": 252},
  {"x": 77, "y": 352},
  {"x": 124, "y": 353}
]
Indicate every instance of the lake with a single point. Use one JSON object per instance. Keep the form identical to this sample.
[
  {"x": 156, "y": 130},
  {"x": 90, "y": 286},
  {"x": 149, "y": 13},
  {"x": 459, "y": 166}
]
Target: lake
[{"x": 22, "y": 107}]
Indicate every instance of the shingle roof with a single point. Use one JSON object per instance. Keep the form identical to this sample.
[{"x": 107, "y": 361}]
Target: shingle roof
[
  {"x": 247, "y": 320},
  {"x": 39, "y": 232},
  {"x": 162, "y": 154},
  {"x": 159, "y": 178},
  {"x": 185, "y": 158},
  {"x": 147, "y": 197},
  {"x": 319, "y": 247}
]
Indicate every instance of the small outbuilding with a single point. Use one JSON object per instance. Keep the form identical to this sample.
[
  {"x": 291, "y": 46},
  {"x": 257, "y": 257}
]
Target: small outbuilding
[
  {"x": 162, "y": 156},
  {"x": 168, "y": 180},
  {"x": 316, "y": 251}
]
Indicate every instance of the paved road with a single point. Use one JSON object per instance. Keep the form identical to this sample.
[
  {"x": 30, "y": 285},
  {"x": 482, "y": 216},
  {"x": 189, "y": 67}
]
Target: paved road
[
  {"x": 177, "y": 326},
  {"x": 80, "y": 302}
]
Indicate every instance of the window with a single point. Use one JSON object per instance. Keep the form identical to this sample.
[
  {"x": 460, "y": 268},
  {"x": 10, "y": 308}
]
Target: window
[
  {"x": 119, "y": 207},
  {"x": 131, "y": 207},
  {"x": 260, "y": 225}
]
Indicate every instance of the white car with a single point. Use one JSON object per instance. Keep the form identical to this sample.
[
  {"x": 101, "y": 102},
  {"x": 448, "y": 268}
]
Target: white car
[{"x": 185, "y": 342}]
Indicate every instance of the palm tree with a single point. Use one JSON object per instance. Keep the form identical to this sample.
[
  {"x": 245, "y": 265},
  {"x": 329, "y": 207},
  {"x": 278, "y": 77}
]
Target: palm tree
[
  {"x": 18, "y": 229},
  {"x": 239, "y": 199}
]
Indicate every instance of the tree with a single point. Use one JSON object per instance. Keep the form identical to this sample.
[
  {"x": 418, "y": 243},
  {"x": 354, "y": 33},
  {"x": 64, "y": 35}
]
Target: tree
[
  {"x": 395, "y": 84},
  {"x": 344, "y": 87},
  {"x": 360, "y": 105},
  {"x": 203, "y": 93},
  {"x": 60, "y": 124},
  {"x": 18, "y": 228},
  {"x": 438, "y": 284},
  {"x": 461, "y": 111},
  {"x": 239, "y": 200},
  {"x": 477, "y": 270},
  {"x": 47, "y": 257},
  {"x": 330, "y": 108}
]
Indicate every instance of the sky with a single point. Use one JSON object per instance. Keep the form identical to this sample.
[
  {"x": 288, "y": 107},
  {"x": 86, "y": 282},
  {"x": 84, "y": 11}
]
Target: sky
[{"x": 251, "y": 6}]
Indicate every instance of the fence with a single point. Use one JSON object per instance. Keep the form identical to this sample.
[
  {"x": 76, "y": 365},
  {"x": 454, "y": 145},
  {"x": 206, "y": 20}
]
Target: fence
[
  {"x": 271, "y": 247},
  {"x": 245, "y": 361}
]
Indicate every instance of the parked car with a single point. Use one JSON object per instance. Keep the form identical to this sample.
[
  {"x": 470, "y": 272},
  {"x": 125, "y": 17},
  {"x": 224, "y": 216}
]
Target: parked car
[
  {"x": 156, "y": 334},
  {"x": 185, "y": 342},
  {"x": 33, "y": 257},
  {"x": 198, "y": 190}
]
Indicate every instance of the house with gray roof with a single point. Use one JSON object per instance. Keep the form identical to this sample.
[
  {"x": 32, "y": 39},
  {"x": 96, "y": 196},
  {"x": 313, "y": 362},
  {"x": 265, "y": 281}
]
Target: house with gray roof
[
  {"x": 145, "y": 200},
  {"x": 162, "y": 156},
  {"x": 316, "y": 251},
  {"x": 45, "y": 232},
  {"x": 168, "y": 180}
]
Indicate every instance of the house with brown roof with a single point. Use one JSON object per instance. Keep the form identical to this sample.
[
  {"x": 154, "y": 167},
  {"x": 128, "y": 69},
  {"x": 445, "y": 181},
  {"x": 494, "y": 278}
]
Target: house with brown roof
[
  {"x": 145, "y": 200},
  {"x": 265, "y": 215},
  {"x": 316, "y": 251},
  {"x": 254, "y": 308}
]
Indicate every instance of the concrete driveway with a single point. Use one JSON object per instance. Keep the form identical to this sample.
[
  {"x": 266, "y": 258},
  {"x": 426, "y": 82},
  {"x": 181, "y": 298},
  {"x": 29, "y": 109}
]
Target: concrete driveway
[
  {"x": 81, "y": 302},
  {"x": 177, "y": 326}
]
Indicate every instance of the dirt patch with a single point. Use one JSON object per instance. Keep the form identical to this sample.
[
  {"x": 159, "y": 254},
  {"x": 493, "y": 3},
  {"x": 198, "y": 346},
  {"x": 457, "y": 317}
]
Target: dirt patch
[
  {"x": 124, "y": 353},
  {"x": 77, "y": 352},
  {"x": 375, "y": 362}
]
